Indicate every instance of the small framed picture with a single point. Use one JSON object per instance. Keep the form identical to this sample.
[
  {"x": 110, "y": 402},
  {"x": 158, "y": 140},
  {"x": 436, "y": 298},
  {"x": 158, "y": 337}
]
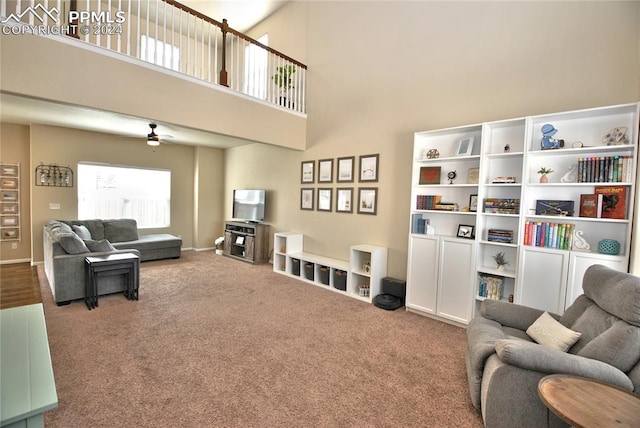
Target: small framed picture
[
  {"x": 465, "y": 147},
  {"x": 345, "y": 169},
  {"x": 306, "y": 173},
  {"x": 9, "y": 183},
  {"x": 344, "y": 200},
  {"x": 9, "y": 221},
  {"x": 10, "y": 234},
  {"x": 466, "y": 231},
  {"x": 7, "y": 170},
  {"x": 324, "y": 199},
  {"x": 369, "y": 167},
  {"x": 306, "y": 199},
  {"x": 9, "y": 208},
  {"x": 368, "y": 201},
  {"x": 239, "y": 240},
  {"x": 473, "y": 203},
  {"x": 473, "y": 175},
  {"x": 325, "y": 171},
  {"x": 9, "y": 196}
]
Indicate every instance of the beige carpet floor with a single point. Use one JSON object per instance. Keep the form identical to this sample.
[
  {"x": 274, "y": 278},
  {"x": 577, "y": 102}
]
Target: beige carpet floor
[{"x": 214, "y": 342}]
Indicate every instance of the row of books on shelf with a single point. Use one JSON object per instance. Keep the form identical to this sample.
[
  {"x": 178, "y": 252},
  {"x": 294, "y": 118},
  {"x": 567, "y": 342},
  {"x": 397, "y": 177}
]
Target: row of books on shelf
[
  {"x": 490, "y": 286},
  {"x": 434, "y": 202},
  {"x": 421, "y": 225},
  {"x": 549, "y": 235},
  {"x": 501, "y": 206},
  {"x": 605, "y": 169},
  {"x": 500, "y": 235}
]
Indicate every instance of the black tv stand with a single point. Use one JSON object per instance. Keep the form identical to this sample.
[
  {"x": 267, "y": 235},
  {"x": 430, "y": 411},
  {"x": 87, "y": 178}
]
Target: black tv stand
[{"x": 246, "y": 241}]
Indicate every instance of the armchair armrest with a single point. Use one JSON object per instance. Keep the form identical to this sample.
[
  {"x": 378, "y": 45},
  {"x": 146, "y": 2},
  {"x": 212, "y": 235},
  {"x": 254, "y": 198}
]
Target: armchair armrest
[
  {"x": 511, "y": 314},
  {"x": 532, "y": 356}
]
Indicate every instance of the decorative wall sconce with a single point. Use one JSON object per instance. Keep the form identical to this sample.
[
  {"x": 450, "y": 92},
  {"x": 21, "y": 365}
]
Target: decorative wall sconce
[{"x": 54, "y": 175}]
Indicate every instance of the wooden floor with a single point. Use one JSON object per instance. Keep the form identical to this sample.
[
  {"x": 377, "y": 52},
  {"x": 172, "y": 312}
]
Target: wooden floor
[{"x": 19, "y": 285}]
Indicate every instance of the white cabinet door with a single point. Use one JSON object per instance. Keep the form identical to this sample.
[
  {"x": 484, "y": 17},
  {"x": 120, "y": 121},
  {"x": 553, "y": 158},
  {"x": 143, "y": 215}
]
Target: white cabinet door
[
  {"x": 580, "y": 262},
  {"x": 543, "y": 279},
  {"x": 422, "y": 275},
  {"x": 455, "y": 290}
]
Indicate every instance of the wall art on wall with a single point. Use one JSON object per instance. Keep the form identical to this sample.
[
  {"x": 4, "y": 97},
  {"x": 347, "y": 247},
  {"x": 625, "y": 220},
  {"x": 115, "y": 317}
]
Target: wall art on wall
[
  {"x": 324, "y": 199},
  {"x": 344, "y": 200},
  {"x": 306, "y": 199},
  {"x": 345, "y": 169},
  {"x": 325, "y": 171},
  {"x": 369, "y": 167},
  {"x": 306, "y": 172},
  {"x": 368, "y": 200}
]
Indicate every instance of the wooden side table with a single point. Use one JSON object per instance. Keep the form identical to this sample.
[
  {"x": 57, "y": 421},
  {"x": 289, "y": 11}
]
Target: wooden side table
[
  {"x": 113, "y": 264},
  {"x": 588, "y": 403}
]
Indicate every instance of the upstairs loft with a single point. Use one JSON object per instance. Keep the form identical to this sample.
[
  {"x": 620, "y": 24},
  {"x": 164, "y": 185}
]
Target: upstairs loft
[{"x": 153, "y": 59}]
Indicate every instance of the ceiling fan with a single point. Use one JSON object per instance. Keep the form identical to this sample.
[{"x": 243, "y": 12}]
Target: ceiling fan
[{"x": 153, "y": 139}]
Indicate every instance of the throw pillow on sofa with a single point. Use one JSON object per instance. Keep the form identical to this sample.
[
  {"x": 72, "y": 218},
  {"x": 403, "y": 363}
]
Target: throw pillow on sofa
[
  {"x": 71, "y": 242},
  {"x": 82, "y": 231},
  {"x": 121, "y": 230},
  {"x": 99, "y": 246}
]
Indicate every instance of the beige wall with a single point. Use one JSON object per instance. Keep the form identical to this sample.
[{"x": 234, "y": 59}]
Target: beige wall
[
  {"x": 208, "y": 189},
  {"x": 379, "y": 71},
  {"x": 14, "y": 148}
]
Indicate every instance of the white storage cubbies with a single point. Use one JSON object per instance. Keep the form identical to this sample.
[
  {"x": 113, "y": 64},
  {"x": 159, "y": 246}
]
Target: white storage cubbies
[
  {"x": 497, "y": 198},
  {"x": 360, "y": 277}
]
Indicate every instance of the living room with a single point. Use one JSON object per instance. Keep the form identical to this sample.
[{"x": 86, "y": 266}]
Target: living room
[{"x": 378, "y": 72}]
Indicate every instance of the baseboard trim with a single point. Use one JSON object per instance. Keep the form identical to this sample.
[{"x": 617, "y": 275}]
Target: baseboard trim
[
  {"x": 204, "y": 249},
  {"x": 14, "y": 261}
]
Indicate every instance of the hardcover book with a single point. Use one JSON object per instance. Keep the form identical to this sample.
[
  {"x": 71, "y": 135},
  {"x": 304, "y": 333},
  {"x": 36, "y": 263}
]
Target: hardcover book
[
  {"x": 614, "y": 201},
  {"x": 591, "y": 205},
  {"x": 554, "y": 207},
  {"x": 429, "y": 175}
]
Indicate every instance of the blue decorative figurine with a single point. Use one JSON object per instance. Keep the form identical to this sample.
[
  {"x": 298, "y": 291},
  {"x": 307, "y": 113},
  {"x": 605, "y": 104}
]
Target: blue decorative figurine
[{"x": 548, "y": 142}]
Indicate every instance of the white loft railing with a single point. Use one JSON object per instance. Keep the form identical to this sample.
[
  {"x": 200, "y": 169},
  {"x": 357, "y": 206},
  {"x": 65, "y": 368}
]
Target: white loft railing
[{"x": 170, "y": 35}]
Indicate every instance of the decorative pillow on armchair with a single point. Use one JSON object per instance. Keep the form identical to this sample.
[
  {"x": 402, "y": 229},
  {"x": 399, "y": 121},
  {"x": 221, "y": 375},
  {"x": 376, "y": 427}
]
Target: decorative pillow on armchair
[{"x": 549, "y": 332}]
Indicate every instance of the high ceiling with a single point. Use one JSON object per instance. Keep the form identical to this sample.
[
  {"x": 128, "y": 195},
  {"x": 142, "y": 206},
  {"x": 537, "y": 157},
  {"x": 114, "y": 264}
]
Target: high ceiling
[{"x": 241, "y": 15}]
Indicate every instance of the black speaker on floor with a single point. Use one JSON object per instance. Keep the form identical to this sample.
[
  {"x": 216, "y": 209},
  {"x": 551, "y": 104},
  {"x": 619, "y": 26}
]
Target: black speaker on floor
[{"x": 393, "y": 294}]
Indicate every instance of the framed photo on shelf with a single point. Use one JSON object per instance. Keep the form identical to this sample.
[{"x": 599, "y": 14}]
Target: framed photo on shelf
[
  {"x": 369, "y": 167},
  {"x": 324, "y": 199},
  {"x": 306, "y": 199},
  {"x": 344, "y": 200},
  {"x": 473, "y": 175},
  {"x": 473, "y": 203},
  {"x": 239, "y": 240},
  {"x": 306, "y": 172},
  {"x": 429, "y": 175},
  {"x": 466, "y": 231},
  {"x": 9, "y": 208},
  {"x": 325, "y": 171},
  {"x": 10, "y": 234},
  {"x": 368, "y": 200},
  {"x": 465, "y": 147},
  {"x": 9, "y": 196},
  {"x": 345, "y": 169},
  {"x": 9, "y": 221}
]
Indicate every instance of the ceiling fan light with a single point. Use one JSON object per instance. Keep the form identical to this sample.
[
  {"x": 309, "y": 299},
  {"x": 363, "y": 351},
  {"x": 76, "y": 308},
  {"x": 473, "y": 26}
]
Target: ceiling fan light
[{"x": 153, "y": 142}]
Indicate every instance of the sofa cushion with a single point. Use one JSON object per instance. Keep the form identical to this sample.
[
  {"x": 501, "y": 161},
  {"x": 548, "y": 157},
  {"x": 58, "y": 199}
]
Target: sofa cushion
[
  {"x": 82, "y": 231},
  {"x": 99, "y": 246},
  {"x": 120, "y": 230},
  {"x": 549, "y": 332},
  {"x": 71, "y": 242},
  {"x": 618, "y": 346}
]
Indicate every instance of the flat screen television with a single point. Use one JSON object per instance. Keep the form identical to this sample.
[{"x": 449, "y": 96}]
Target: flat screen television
[{"x": 248, "y": 205}]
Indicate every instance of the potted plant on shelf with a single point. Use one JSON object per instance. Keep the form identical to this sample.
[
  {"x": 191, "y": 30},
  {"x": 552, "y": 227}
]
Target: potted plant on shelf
[
  {"x": 544, "y": 171},
  {"x": 283, "y": 80},
  {"x": 500, "y": 260}
]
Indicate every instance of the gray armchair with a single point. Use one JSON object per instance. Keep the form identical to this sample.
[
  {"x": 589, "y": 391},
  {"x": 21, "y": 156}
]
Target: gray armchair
[{"x": 504, "y": 364}]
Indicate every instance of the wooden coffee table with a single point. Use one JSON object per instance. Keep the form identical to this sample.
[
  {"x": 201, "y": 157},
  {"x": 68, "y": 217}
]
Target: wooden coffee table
[{"x": 588, "y": 403}]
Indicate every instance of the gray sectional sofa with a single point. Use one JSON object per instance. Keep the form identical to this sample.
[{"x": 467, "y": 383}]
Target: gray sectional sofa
[{"x": 67, "y": 243}]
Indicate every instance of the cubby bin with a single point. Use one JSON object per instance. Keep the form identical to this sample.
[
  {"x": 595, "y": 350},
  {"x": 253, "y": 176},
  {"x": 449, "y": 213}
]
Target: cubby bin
[
  {"x": 309, "y": 271},
  {"x": 295, "y": 267},
  {"x": 340, "y": 279},
  {"x": 323, "y": 274}
]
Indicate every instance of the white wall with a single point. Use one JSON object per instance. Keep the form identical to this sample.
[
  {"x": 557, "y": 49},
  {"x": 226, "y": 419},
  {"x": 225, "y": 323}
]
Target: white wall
[{"x": 379, "y": 71}]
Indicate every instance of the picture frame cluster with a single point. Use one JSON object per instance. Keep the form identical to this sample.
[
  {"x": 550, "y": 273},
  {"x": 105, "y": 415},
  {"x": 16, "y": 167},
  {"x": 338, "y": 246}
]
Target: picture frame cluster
[{"x": 322, "y": 173}]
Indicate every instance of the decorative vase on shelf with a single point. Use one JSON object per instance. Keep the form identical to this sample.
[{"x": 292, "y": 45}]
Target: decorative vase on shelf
[
  {"x": 544, "y": 178},
  {"x": 609, "y": 246},
  {"x": 500, "y": 268}
]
